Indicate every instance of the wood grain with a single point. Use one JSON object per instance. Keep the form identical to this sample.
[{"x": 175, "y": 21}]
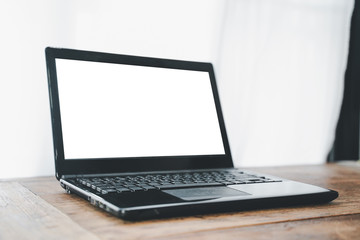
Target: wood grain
[
  {"x": 340, "y": 227},
  {"x": 24, "y": 215},
  {"x": 346, "y": 180}
]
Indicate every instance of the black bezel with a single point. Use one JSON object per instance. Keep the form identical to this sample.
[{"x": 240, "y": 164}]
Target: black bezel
[{"x": 119, "y": 165}]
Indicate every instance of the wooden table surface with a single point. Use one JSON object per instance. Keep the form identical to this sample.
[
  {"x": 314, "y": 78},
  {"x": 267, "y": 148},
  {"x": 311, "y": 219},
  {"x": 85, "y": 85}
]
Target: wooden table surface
[{"x": 38, "y": 208}]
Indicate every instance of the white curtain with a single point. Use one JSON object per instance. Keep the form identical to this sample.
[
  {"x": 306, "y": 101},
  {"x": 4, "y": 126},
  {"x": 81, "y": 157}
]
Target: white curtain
[
  {"x": 280, "y": 73},
  {"x": 279, "y": 63},
  {"x": 178, "y": 29}
]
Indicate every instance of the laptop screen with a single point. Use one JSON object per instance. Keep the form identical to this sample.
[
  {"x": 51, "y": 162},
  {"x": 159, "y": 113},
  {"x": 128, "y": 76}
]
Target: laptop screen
[{"x": 113, "y": 110}]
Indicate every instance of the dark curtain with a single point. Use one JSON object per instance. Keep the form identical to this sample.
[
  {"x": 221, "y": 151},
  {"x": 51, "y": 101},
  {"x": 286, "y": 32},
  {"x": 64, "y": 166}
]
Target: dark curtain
[{"x": 346, "y": 145}]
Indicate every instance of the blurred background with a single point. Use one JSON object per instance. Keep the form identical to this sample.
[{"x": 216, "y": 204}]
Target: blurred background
[{"x": 279, "y": 64}]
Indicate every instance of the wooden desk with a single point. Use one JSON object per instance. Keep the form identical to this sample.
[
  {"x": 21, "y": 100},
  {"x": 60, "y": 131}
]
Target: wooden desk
[{"x": 38, "y": 208}]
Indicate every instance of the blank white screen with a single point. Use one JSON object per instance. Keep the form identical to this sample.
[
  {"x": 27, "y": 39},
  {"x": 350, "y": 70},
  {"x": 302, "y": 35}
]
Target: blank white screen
[{"x": 115, "y": 110}]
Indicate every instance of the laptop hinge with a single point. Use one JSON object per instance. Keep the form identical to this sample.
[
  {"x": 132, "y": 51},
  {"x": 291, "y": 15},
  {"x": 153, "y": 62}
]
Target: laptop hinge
[{"x": 137, "y": 173}]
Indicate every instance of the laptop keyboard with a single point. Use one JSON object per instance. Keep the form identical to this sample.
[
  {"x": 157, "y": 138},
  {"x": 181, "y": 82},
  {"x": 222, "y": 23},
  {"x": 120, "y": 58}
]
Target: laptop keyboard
[{"x": 147, "y": 182}]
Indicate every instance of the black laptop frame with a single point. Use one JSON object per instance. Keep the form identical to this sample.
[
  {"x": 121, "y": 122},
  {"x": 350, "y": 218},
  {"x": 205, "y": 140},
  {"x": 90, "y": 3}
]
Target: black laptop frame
[{"x": 131, "y": 164}]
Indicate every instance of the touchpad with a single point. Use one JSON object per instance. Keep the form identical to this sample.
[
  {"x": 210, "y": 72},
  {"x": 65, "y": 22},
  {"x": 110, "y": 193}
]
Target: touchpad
[{"x": 191, "y": 194}]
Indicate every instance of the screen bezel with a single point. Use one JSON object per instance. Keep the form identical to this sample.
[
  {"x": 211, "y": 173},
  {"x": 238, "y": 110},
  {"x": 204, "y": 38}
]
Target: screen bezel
[{"x": 129, "y": 164}]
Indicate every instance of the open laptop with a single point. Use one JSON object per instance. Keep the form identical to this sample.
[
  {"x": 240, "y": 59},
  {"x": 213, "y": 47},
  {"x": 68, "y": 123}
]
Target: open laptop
[{"x": 145, "y": 138}]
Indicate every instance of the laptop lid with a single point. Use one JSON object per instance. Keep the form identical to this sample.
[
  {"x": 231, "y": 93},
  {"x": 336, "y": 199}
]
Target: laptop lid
[{"x": 116, "y": 113}]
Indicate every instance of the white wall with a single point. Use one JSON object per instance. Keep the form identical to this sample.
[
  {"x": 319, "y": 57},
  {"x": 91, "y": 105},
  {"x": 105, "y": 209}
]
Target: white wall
[
  {"x": 279, "y": 63},
  {"x": 180, "y": 29}
]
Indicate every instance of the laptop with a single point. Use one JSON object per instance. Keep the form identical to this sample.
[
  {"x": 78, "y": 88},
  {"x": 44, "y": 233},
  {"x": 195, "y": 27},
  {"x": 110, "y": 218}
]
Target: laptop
[{"x": 144, "y": 138}]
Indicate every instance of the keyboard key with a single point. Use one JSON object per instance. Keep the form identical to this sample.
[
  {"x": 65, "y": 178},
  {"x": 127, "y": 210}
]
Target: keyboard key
[
  {"x": 122, "y": 189},
  {"x": 171, "y": 181},
  {"x": 186, "y": 185},
  {"x": 136, "y": 189}
]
